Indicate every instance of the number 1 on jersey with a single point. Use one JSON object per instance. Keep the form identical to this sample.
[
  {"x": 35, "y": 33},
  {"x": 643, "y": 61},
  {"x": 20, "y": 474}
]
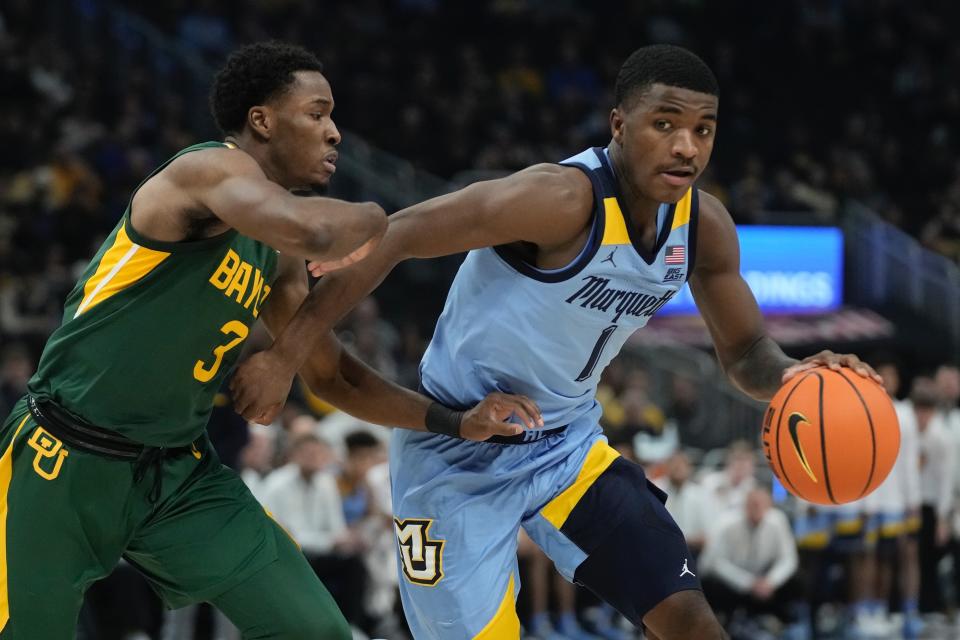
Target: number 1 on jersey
[
  {"x": 205, "y": 373},
  {"x": 597, "y": 350}
]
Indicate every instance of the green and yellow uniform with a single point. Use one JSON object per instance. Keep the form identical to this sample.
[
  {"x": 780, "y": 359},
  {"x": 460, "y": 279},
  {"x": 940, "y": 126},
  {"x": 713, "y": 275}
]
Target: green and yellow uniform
[{"x": 148, "y": 335}]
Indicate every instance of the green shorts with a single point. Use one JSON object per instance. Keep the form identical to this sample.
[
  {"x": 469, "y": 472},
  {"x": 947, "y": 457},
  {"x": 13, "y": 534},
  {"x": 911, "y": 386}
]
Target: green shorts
[{"x": 67, "y": 517}]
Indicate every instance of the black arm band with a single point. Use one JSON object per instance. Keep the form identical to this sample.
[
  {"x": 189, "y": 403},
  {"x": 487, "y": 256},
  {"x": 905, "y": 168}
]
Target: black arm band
[{"x": 440, "y": 419}]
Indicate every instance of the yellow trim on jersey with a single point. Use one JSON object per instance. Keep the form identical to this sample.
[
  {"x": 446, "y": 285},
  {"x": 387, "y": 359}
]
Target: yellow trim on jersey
[
  {"x": 504, "y": 625},
  {"x": 818, "y": 540},
  {"x": 6, "y": 473},
  {"x": 600, "y": 457},
  {"x": 277, "y": 522},
  {"x": 614, "y": 226},
  {"x": 893, "y": 529},
  {"x": 849, "y": 527},
  {"x": 912, "y": 524},
  {"x": 122, "y": 265},
  {"x": 681, "y": 215}
]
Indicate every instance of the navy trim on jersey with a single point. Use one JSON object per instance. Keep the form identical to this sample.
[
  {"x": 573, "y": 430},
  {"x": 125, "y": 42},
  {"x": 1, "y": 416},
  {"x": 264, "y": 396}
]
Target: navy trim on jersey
[
  {"x": 662, "y": 233},
  {"x": 692, "y": 232},
  {"x": 509, "y": 255}
]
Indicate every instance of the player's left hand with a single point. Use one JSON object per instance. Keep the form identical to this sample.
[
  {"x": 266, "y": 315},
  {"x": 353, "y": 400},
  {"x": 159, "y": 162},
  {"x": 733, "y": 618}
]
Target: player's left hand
[
  {"x": 489, "y": 418},
  {"x": 260, "y": 386},
  {"x": 832, "y": 361}
]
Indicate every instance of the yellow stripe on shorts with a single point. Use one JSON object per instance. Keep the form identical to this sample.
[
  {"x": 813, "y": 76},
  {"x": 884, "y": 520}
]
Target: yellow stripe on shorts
[
  {"x": 600, "y": 457},
  {"x": 504, "y": 625},
  {"x": 6, "y": 474}
]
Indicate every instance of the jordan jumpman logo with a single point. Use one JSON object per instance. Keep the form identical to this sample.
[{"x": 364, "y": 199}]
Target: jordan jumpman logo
[{"x": 686, "y": 570}]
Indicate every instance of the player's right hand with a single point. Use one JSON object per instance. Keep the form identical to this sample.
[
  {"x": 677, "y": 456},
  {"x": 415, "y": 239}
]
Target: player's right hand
[
  {"x": 489, "y": 418},
  {"x": 260, "y": 386}
]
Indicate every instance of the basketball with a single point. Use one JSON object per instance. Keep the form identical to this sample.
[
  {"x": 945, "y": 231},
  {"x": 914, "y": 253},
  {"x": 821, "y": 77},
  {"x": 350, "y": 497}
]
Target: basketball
[{"x": 831, "y": 437}]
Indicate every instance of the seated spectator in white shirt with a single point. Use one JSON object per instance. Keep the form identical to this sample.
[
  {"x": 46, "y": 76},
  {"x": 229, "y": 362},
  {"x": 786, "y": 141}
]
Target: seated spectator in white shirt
[
  {"x": 750, "y": 560},
  {"x": 725, "y": 491},
  {"x": 685, "y": 500},
  {"x": 256, "y": 459},
  {"x": 304, "y": 498}
]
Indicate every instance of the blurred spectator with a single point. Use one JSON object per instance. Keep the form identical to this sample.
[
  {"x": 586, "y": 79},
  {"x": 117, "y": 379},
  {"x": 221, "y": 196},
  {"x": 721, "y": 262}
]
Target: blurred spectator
[
  {"x": 749, "y": 561},
  {"x": 29, "y": 308},
  {"x": 257, "y": 459},
  {"x": 303, "y": 497},
  {"x": 364, "y": 451},
  {"x": 371, "y": 338},
  {"x": 16, "y": 368},
  {"x": 936, "y": 489},
  {"x": 897, "y": 504},
  {"x": 685, "y": 501},
  {"x": 542, "y": 579},
  {"x": 382, "y": 596},
  {"x": 362, "y": 515},
  {"x": 696, "y": 424},
  {"x": 726, "y": 490}
]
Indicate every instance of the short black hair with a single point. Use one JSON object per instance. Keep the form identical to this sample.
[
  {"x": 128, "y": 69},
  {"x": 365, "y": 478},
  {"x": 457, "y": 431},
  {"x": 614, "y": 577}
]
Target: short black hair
[
  {"x": 665, "y": 64},
  {"x": 360, "y": 440},
  {"x": 252, "y": 75}
]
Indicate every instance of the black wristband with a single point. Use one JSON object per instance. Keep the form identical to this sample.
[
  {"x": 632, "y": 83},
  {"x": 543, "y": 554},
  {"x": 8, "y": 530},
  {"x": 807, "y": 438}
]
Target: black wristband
[{"x": 440, "y": 419}]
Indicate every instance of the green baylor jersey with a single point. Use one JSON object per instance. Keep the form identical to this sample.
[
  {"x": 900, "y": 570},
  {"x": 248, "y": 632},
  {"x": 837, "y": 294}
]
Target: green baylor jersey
[{"x": 152, "y": 328}]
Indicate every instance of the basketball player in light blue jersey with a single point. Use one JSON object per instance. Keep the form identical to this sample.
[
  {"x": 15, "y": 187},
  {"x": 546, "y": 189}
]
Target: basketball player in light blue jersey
[{"x": 565, "y": 262}]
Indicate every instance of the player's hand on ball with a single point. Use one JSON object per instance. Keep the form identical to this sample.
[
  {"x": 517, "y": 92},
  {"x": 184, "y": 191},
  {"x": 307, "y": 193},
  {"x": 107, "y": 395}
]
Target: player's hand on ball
[
  {"x": 489, "y": 417},
  {"x": 260, "y": 386},
  {"x": 833, "y": 361}
]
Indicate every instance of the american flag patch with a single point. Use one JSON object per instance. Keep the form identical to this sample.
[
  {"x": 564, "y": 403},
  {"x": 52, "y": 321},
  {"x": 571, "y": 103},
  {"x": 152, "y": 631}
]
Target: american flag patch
[{"x": 677, "y": 254}]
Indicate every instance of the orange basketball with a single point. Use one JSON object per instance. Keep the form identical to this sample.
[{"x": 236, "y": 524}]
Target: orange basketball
[{"x": 831, "y": 436}]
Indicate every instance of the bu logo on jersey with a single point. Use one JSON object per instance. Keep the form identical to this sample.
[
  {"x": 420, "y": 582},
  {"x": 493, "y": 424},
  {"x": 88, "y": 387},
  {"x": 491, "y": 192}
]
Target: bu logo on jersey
[{"x": 422, "y": 558}]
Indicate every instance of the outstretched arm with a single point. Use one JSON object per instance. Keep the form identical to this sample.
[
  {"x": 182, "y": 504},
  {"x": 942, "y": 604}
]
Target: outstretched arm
[
  {"x": 229, "y": 185},
  {"x": 349, "y": 384},
  {"x": 546, "y": 205},
  {"x": 752, "y": 360}
]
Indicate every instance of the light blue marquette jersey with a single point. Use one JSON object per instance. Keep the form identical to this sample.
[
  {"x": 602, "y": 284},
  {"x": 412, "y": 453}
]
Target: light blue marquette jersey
[{"x": 548, "y": 334}]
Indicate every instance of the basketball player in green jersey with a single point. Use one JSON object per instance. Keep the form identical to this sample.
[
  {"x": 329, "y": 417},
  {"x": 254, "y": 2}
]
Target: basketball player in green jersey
[{"x": 107, "y": 456}]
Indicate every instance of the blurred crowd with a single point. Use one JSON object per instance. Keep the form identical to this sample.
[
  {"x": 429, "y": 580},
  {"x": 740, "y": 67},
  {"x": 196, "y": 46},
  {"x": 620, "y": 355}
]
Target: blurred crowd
[
  {"x": 829, "y": 101},
  {"x": 772, "y": 566}
]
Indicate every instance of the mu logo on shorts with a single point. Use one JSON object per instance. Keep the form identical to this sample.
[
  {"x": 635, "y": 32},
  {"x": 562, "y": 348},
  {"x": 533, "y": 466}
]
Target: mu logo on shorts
[{"x": 422, "y": 558}]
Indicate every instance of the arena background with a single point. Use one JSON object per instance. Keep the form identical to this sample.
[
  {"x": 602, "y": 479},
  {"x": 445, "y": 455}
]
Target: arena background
[{"x": 837, "y": 151}]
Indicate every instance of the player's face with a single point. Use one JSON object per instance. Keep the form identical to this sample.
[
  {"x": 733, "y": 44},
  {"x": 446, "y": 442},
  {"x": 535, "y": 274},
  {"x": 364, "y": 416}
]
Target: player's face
[
  {"x": 666, "y": 138},
  {"x": 305, "y": 136}
]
